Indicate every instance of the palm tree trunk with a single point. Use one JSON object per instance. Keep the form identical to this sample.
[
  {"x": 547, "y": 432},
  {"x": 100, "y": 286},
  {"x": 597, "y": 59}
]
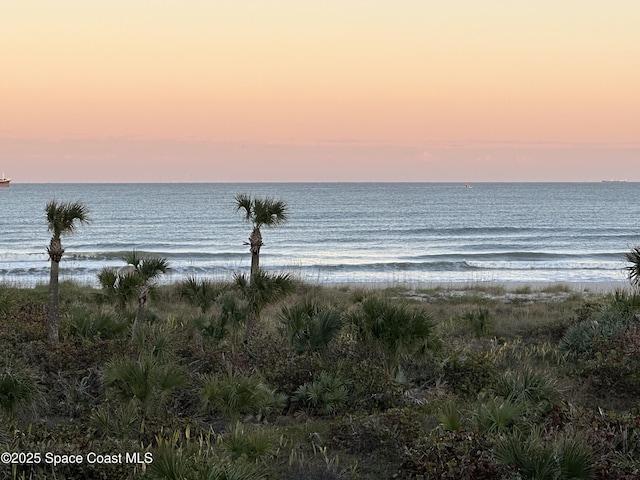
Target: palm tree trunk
[
  {"x": 53, "y": 314},
  {"x": 142, "y": 300},
  {"x": 255, "y": 240},
  {"x": 55, "y": 252}
]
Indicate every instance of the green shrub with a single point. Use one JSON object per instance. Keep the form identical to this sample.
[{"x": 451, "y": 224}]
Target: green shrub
[
  {"x": 120, "y": 422},
  {"x": 18, "y": 389},
  {"x": 579, "y": 339},
  {"x": 235, "y": 394},
  {"x": 212, "y": 328},
  {"x": 459, "y": 455},
  {"x": 199, "y": 293},
  {"x": 615, "y": 366},
  {"x": 469, "y": 372}
]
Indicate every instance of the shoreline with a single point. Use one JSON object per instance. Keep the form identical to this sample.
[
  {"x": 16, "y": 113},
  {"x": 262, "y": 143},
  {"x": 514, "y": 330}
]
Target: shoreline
[
  {"x": 592, "y": 287},
  {"x": 597, "y": 287}
]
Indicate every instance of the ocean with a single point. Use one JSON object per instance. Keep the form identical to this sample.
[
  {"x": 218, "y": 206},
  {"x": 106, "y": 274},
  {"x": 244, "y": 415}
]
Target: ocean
[{"x": 377, "y": 233}]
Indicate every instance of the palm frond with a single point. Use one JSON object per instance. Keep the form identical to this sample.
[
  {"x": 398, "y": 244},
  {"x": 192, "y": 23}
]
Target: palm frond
[
  {"x": 132, "y": 258},
  {"x": 243, "y": 201},
  {"x": 633, "y": 270},
  {"x": 62, "y": 217},
  {"x": 152, "y": 267},
  {"x": 269, "y": 212}
]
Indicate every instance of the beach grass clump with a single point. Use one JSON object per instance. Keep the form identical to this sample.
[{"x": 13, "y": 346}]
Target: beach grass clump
[
  {"x": 449, "y": 416},
  {"x": 497, "y": 415},
  {"x": 528, "y": 385},
  {"x": 250, "y": 445},
  {"x": 479, "y": 321},
  {"x": 7, "y": 302},
  {"x": 537, "y": 456}
]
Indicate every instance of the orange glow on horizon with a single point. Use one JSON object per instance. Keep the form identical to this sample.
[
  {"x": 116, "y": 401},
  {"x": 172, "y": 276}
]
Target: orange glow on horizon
[{"x": 306, "y": 72}]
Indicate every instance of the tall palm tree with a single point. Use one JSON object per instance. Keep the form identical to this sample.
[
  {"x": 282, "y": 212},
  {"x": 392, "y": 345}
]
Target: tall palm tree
[
  {"x": 62, "y": 219},
  {"x": 260, "y": 212}
]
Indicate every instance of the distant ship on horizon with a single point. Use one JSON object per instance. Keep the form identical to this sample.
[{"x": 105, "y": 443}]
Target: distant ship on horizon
[
  {"x": 614, "y": 181},
  {"x": 4, "y": 181}
]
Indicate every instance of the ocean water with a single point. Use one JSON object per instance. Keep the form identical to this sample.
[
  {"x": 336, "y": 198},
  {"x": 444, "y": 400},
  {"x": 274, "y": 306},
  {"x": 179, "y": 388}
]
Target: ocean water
[{"x": 368, "y": 232}]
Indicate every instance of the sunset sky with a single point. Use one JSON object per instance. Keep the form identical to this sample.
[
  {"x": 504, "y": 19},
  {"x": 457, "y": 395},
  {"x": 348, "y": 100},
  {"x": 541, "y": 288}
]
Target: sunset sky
[{"x": 331, "y": 90}]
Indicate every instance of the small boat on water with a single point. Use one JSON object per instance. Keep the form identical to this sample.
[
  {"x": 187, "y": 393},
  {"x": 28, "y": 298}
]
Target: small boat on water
[{"x": 4, "y": 181}]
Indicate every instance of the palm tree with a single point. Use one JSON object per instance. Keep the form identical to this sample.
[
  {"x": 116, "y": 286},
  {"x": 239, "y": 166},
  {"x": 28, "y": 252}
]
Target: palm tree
[
  {"x": 260, "y": 212},
  {"x": 633, "y": 270},
  {"x": 62, "y": 219},
  {"x": 264, "y": 288},
  {"x": 136, "y": 282}
]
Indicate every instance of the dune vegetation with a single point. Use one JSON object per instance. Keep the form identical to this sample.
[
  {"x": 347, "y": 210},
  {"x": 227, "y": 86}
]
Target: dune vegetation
[{"x": 332, "y": 383}]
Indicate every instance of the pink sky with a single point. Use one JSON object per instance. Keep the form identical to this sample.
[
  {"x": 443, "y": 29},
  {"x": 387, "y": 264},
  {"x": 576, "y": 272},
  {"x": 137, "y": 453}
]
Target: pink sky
[{"x": 349, "y": 90}]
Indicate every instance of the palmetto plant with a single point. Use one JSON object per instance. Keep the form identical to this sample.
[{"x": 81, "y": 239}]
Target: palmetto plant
[
  {"x": 260, "y": 212},
  {"x": 18, "y": 389},
  {"x": 235, "y": 394},
  {"x": 327, "y": 394},
  {"x": 62, "y": 219},
  {"x": 528, "y": 385},
  {"x": 199, "y": 293},
  {"x": 310, "y": 327},
  {"x": 144, "y": 379},
  {"x": 262, "y": 289},
  {"x": 394, "y": 328},
  {"x": 135, "y": 282}
]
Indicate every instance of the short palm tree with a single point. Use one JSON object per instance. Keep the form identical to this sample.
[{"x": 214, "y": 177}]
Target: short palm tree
[
  {"x": 136, "y": 282},
  {"x": 62, "y": 219},
  {"x": 264, "y": 288},
  {"x": 260, "y": 212},
  {"x": 633, "y": 270}
]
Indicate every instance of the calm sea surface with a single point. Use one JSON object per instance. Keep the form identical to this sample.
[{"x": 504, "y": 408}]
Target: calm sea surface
[{"x": 440, "y": 233}]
